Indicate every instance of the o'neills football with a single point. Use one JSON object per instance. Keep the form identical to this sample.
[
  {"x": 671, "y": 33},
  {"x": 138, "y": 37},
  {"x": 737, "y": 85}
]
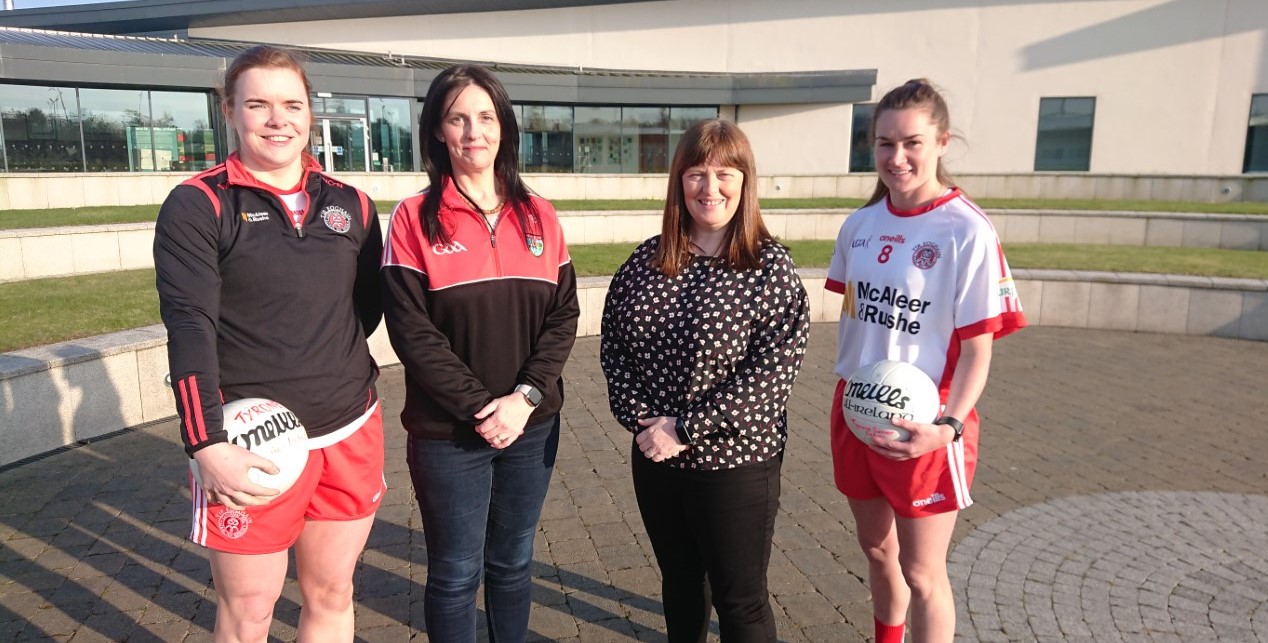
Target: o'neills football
[
  {"x": 269, "y": 429},
  {"x": 877, "y": 393}
]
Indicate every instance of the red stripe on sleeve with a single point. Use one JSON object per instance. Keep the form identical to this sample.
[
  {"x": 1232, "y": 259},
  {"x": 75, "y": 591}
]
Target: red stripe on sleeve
[
  {"x": 198, "y": 410},
  {"x": 835, "y": 286},
  {"x": 365, "y": 209},
  {"x": 215, "y": 202},
  {"x": 189, "y": 420}
]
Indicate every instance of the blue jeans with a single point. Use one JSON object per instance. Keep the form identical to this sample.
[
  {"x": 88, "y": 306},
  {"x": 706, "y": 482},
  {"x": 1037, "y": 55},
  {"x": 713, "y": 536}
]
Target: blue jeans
[{"x": 480, "y": 508}]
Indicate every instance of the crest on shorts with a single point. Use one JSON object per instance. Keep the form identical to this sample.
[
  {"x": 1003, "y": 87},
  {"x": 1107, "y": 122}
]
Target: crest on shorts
[
  {"x": 336, "y": 218},
  {"x": 536, "y": 244},
  {"x": 233, "y": 523},
  {"x": 926, "y": 255}
]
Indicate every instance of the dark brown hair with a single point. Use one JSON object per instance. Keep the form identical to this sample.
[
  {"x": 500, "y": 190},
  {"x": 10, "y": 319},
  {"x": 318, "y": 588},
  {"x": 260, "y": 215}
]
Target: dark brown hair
[
  {"x": 436, "y": 154},
  {"x": 917, "y": 93},
  {"x": 265, "y": 57},
  {"x": 718, "y": 142}
]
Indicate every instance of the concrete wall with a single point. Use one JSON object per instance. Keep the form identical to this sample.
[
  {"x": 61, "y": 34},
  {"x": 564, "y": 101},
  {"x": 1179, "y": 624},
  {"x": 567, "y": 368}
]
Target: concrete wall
[
  {"x": 59, "y": 252},
  {"x": 58, "y": 395},
  {"x": 43, "y": 191},
  {"x": 1172, "y": 79}
]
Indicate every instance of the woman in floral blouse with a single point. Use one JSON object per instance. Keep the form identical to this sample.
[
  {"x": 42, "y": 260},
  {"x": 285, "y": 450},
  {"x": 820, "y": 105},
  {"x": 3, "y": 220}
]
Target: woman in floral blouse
[{"x": 704, "y": 331}]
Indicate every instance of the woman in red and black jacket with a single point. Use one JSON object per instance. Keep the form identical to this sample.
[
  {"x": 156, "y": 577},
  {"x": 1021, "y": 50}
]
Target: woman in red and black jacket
[
  {"x": 480, "y": 299},
  {"x": 267, "y": 281}
]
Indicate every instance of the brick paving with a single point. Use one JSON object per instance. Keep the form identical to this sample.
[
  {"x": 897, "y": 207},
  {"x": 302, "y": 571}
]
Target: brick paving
[{"x": 1123, "y": 495}]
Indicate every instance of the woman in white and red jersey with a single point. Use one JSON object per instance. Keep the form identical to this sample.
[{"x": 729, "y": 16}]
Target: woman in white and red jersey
[
  {"x": 267, "y": 274},
  {"x": 925, "y": 282}
]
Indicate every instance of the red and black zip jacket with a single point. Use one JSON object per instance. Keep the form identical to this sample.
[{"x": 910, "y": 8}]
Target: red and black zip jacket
[
  {"x": 256, "y": 306},
  {"x": 472, "y": 319}
]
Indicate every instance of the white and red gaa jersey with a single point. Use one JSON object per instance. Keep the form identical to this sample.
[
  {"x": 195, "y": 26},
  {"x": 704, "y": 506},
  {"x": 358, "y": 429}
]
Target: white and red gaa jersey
[{"x": 917, "y": 283}]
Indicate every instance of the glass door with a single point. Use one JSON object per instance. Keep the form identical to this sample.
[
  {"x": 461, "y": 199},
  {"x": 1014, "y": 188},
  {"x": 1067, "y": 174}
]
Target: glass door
[{"x": 342, "y": 144}]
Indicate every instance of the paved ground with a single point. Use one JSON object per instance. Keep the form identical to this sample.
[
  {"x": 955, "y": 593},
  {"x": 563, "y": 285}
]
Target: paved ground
[{"x": 1123, "y": 496}]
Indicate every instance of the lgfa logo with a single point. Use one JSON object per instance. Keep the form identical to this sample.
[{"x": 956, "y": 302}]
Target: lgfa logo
[{"x": 451, "y": 248}]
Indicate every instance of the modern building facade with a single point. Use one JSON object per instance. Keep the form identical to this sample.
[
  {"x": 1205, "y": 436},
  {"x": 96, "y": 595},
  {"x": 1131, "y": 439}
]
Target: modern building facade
[{"x": 1119, "y": 87}]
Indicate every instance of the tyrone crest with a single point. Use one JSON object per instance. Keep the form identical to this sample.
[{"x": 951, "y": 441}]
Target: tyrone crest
[
  {"x": 926, "y": 255},
  {"x": 336, "y": 218},
  {"x": 233, "y": 523}
]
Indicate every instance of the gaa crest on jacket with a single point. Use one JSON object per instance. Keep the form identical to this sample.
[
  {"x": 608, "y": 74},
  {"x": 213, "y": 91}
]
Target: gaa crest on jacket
[{"x": 336, "y": 218}]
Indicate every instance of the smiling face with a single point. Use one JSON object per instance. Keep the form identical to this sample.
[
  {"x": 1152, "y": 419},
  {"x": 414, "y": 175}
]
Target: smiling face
[
  {"x": 271, "y": 115},
  {"x": 712, "y": 194},
  {"x": 908, "y": 148},
  {"x": 470, "y": 129}
]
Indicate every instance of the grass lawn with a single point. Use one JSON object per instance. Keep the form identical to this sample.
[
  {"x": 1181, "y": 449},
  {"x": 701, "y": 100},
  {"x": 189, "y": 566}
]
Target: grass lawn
[
  {"x": 16, "y": 219},
  {"x": 46, "y": 311}
]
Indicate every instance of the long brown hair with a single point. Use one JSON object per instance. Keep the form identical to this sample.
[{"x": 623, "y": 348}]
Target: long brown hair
[
  {"x": 916, "y": 93},
  {"x": 718, "y": 142},
  {"x": 436, "y": 154}
]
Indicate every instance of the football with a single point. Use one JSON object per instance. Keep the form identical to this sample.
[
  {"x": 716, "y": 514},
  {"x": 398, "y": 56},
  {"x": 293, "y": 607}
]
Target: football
[
  {"x": 268, "y": 429},
  {"x": 877, "y": 393}
]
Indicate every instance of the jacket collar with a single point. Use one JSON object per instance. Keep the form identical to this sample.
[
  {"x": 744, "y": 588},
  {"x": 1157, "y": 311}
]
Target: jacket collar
[{"x": 240, "y": 175}]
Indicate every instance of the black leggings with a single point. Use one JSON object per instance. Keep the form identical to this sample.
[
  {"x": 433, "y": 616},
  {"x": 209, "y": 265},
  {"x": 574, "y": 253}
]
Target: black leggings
[{"x": 711, "y": 531}]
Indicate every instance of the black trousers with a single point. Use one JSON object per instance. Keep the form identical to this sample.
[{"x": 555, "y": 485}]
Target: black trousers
[{"x": 711, "y": 532}]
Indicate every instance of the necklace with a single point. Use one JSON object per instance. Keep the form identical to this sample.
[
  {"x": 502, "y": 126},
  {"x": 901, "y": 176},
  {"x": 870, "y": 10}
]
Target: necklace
[
  {"x": 702, "y": 251},
  {"x": 491, "y": 211}
]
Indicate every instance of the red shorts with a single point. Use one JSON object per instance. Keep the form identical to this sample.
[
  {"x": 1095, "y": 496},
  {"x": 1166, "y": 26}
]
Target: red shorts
[
  {"x": 936, "y": 482},
  {"x": 343, "y": 481}
]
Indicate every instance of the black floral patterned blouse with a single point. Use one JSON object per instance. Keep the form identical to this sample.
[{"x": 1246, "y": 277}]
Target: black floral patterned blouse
[{"x": 718, "y": 348}]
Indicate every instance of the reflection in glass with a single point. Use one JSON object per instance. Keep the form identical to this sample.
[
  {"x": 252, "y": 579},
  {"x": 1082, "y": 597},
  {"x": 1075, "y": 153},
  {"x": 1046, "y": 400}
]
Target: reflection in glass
[
  {"x": 1065, "y": 134},
  {"x": 546, "y": 143},
  {"x": 597, "y": 141},
  {"x": 680, "y": 118},
  {"x": 41, "y": 128},
  {"x": 116, "y": 126},
  {"x": 1256, "y": 159},
  {"x": 344, "y": 106},
  {"x": 861, "y": 158},
  {"x": 183, "y": 138},
  {"x": 645, "y": 139},
  {"x": 391, "y": 135},
  {"x": 347, "y": 145}
]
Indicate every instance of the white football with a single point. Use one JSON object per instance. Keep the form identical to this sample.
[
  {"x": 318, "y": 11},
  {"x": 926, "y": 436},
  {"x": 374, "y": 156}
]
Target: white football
[
  {"x": 269, "y": 429},
  {"x": 877, "y": 393}
]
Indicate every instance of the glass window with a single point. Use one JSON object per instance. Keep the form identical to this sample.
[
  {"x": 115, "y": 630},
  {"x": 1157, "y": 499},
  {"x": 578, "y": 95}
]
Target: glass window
[
  {"x": 1256, "y": 159},
  {"x": 546, "y": 143},
  {"x": 1065, "y": 134},
  {"x": 41, "y": 129},
  {"x": 342, "y": 106},
  {"x": 184, "y": 137},
  {"x": 597, "y": 140},
  {"x": 116, "y": 125},
  {"x": 680, "y": 118},
  {"x": 645, "y": 139},
  {"x": 391, "y": 135},
  {"x": 861, "y": 159}
]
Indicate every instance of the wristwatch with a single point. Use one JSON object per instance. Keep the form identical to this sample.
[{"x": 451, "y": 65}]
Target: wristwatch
[
  {"x": 955, "y": 425},
  {"x": 530, "y": 393}
]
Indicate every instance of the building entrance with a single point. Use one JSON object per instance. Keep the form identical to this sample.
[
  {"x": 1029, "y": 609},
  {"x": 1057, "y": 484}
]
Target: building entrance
[{"x": 341, "y": 144}]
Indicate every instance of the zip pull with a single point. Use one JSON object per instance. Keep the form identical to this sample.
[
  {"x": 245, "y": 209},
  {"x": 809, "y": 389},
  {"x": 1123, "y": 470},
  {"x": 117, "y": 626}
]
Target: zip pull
[
  {"x": 299, "y": 231},
  {"x": 493, "y": 239}
]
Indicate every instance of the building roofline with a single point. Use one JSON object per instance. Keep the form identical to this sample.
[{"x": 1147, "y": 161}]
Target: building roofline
[
  {"x": 42, "y": 56},
  {"x": 170, "y": 16}
]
